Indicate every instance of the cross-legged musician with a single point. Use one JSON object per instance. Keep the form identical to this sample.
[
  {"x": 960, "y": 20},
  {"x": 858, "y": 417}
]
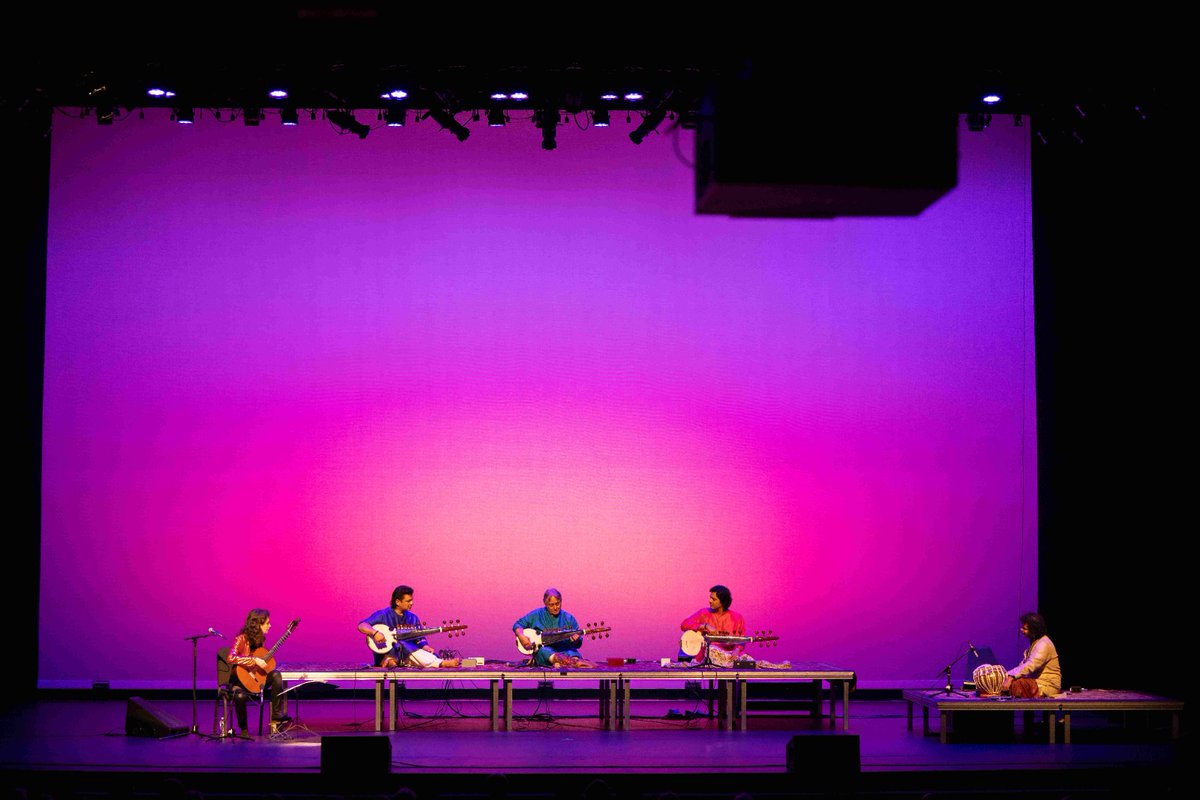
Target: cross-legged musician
[{"x": 405, "y": 653}]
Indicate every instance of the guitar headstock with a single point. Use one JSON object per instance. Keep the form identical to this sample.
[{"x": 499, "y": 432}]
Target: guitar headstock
[{"x": 292, "y": 625}]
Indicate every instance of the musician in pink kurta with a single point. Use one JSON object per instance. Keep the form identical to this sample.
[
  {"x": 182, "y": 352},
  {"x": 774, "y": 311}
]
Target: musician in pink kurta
[{"x": 717, "y": 618}]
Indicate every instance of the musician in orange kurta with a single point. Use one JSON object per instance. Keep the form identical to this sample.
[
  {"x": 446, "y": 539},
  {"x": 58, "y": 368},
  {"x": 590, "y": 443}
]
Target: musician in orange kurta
[
  {"x": 717, "y": 618},
  {"x": 253, "y": 636}
]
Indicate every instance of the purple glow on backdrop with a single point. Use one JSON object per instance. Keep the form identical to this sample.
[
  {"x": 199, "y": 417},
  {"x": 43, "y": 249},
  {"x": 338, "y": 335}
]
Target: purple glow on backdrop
[{"x": 295, "y": 372}]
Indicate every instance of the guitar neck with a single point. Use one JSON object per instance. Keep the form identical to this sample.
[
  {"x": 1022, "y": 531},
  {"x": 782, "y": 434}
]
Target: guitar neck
[
  {"x": 282, "y": 639},
  {"x": 291, "y": 627}
]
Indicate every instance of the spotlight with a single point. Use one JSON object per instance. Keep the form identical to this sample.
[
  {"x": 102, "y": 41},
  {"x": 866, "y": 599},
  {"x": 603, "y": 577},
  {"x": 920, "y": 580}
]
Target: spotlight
[
  {"x": 499, "y": 96},
  {"x": 394, "y": 94},
  {"x": 991, "y": 99},
  {"x": 252, "y": 116},
  {"x": 449, "y": 123},
  {"x": 600, "y": 118},
  {"x": 289, "y": 116},
  {"x": 634, "y": 96},
  {"x": 278, "y": 94},
  {"x": 547, "y": 120},
  {"x": 158, "y": 92},
  {"x": 496, "y": 118},
  {"x": 185, "y": 115},
  {"x": 649, "y": 123},
  {"x": 348, "y": 124},
  {"x": 395, "y": 117},
  {"x": 519, "y": 96},
  {"x": 609, "y": 96}
]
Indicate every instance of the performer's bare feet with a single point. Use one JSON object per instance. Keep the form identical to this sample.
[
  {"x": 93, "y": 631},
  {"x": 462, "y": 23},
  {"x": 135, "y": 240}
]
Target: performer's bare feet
[
  {"x": 389, "y": 663},
  {"x": 450, "y": 663}
]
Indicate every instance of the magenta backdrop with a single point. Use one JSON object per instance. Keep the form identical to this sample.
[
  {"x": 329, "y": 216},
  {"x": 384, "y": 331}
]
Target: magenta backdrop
[{"x": 292, "y": 369}]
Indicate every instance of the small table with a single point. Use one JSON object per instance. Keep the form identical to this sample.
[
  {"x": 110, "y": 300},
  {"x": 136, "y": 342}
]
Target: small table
[{"x": 1064, "y": 704}]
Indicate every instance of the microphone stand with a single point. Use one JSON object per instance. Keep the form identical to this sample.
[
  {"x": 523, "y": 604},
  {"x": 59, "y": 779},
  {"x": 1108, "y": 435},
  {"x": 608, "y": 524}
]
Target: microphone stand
[
  {"x": 948, "y": 689},
  {"x": 706, "y": 663},
  {"x": 195, "y": 731}
]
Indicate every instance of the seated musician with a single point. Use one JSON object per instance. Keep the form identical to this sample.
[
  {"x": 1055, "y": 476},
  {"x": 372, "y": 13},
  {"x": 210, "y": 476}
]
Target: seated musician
[
  {"x": 253, "y": 636},
  {"x": 411, "y": 653},
  {"x": 551, "y": 617},
  {"x": 1041, "y": 658},
  {"x": 717, "y": 619}
]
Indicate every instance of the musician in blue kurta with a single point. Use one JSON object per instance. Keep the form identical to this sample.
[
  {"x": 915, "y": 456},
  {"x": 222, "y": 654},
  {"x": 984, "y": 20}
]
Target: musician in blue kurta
[
  {"x": 414, "y": 653},
  {"x": 552, "y": 617}
]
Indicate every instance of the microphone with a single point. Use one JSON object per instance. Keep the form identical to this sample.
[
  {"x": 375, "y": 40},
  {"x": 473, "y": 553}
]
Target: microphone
[
  {"x": 215, "y": 632},
  {"x": 970, "y": 647}
]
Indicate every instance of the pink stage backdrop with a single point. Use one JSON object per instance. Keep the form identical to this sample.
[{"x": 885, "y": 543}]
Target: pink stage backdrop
[{"x": 292, "y": 369}]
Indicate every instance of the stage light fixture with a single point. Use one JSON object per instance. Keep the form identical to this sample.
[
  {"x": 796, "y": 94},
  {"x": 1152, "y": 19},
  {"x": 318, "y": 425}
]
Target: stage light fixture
[
  {"x": 519, "y": 95},
  {"x": 278, "y": 94},
  {"x": 449, "y": 123},
  {"x": 991, "y": 99},
  {"x": 609, "y": 96},
  {"x": 345, "y": 121},
  {"x": 394, "y": 94},
  {"x": 395, "y": 117},
  {"x": 499, "y": 96},
  {"x": 496, "y": 118},
  {"x": 600, "y": 118},
  {"x": 649, "y": 123},
  {"x": 289, "y": 116},
  {"x": 547, "y": 120},
  {"x": 160, "y": 93},
  {"x": 634, "y": 96},
  {"x": 185, "y": 115}
]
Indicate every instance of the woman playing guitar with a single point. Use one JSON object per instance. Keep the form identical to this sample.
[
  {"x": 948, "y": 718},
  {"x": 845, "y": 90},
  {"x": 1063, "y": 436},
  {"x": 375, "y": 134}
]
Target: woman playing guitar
[{"x": 248, "y": 652}]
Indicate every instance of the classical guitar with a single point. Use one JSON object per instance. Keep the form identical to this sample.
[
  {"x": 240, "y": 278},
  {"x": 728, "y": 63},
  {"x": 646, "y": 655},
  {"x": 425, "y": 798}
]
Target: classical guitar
[
  {"x": 692, "y": 642},
  {"x": 406, "y": 634},
  {"x": 539, "y": 639},
  {"x": 255, "y": 677}
]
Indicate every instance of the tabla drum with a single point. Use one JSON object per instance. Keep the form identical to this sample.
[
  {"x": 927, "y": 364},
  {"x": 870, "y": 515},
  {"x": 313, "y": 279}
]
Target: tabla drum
[{"x": 989, "y": 679}]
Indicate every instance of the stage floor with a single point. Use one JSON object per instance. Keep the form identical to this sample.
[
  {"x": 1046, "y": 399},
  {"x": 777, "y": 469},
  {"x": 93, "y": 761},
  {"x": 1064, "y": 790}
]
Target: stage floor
[{"x": 88, "y": 735}]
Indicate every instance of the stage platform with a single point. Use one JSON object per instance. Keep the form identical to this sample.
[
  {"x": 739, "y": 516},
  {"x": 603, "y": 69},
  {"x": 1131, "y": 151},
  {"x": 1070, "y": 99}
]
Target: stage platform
[
  {"x": 84, "y": 741},
  {"x": 731, "y": 687}
]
